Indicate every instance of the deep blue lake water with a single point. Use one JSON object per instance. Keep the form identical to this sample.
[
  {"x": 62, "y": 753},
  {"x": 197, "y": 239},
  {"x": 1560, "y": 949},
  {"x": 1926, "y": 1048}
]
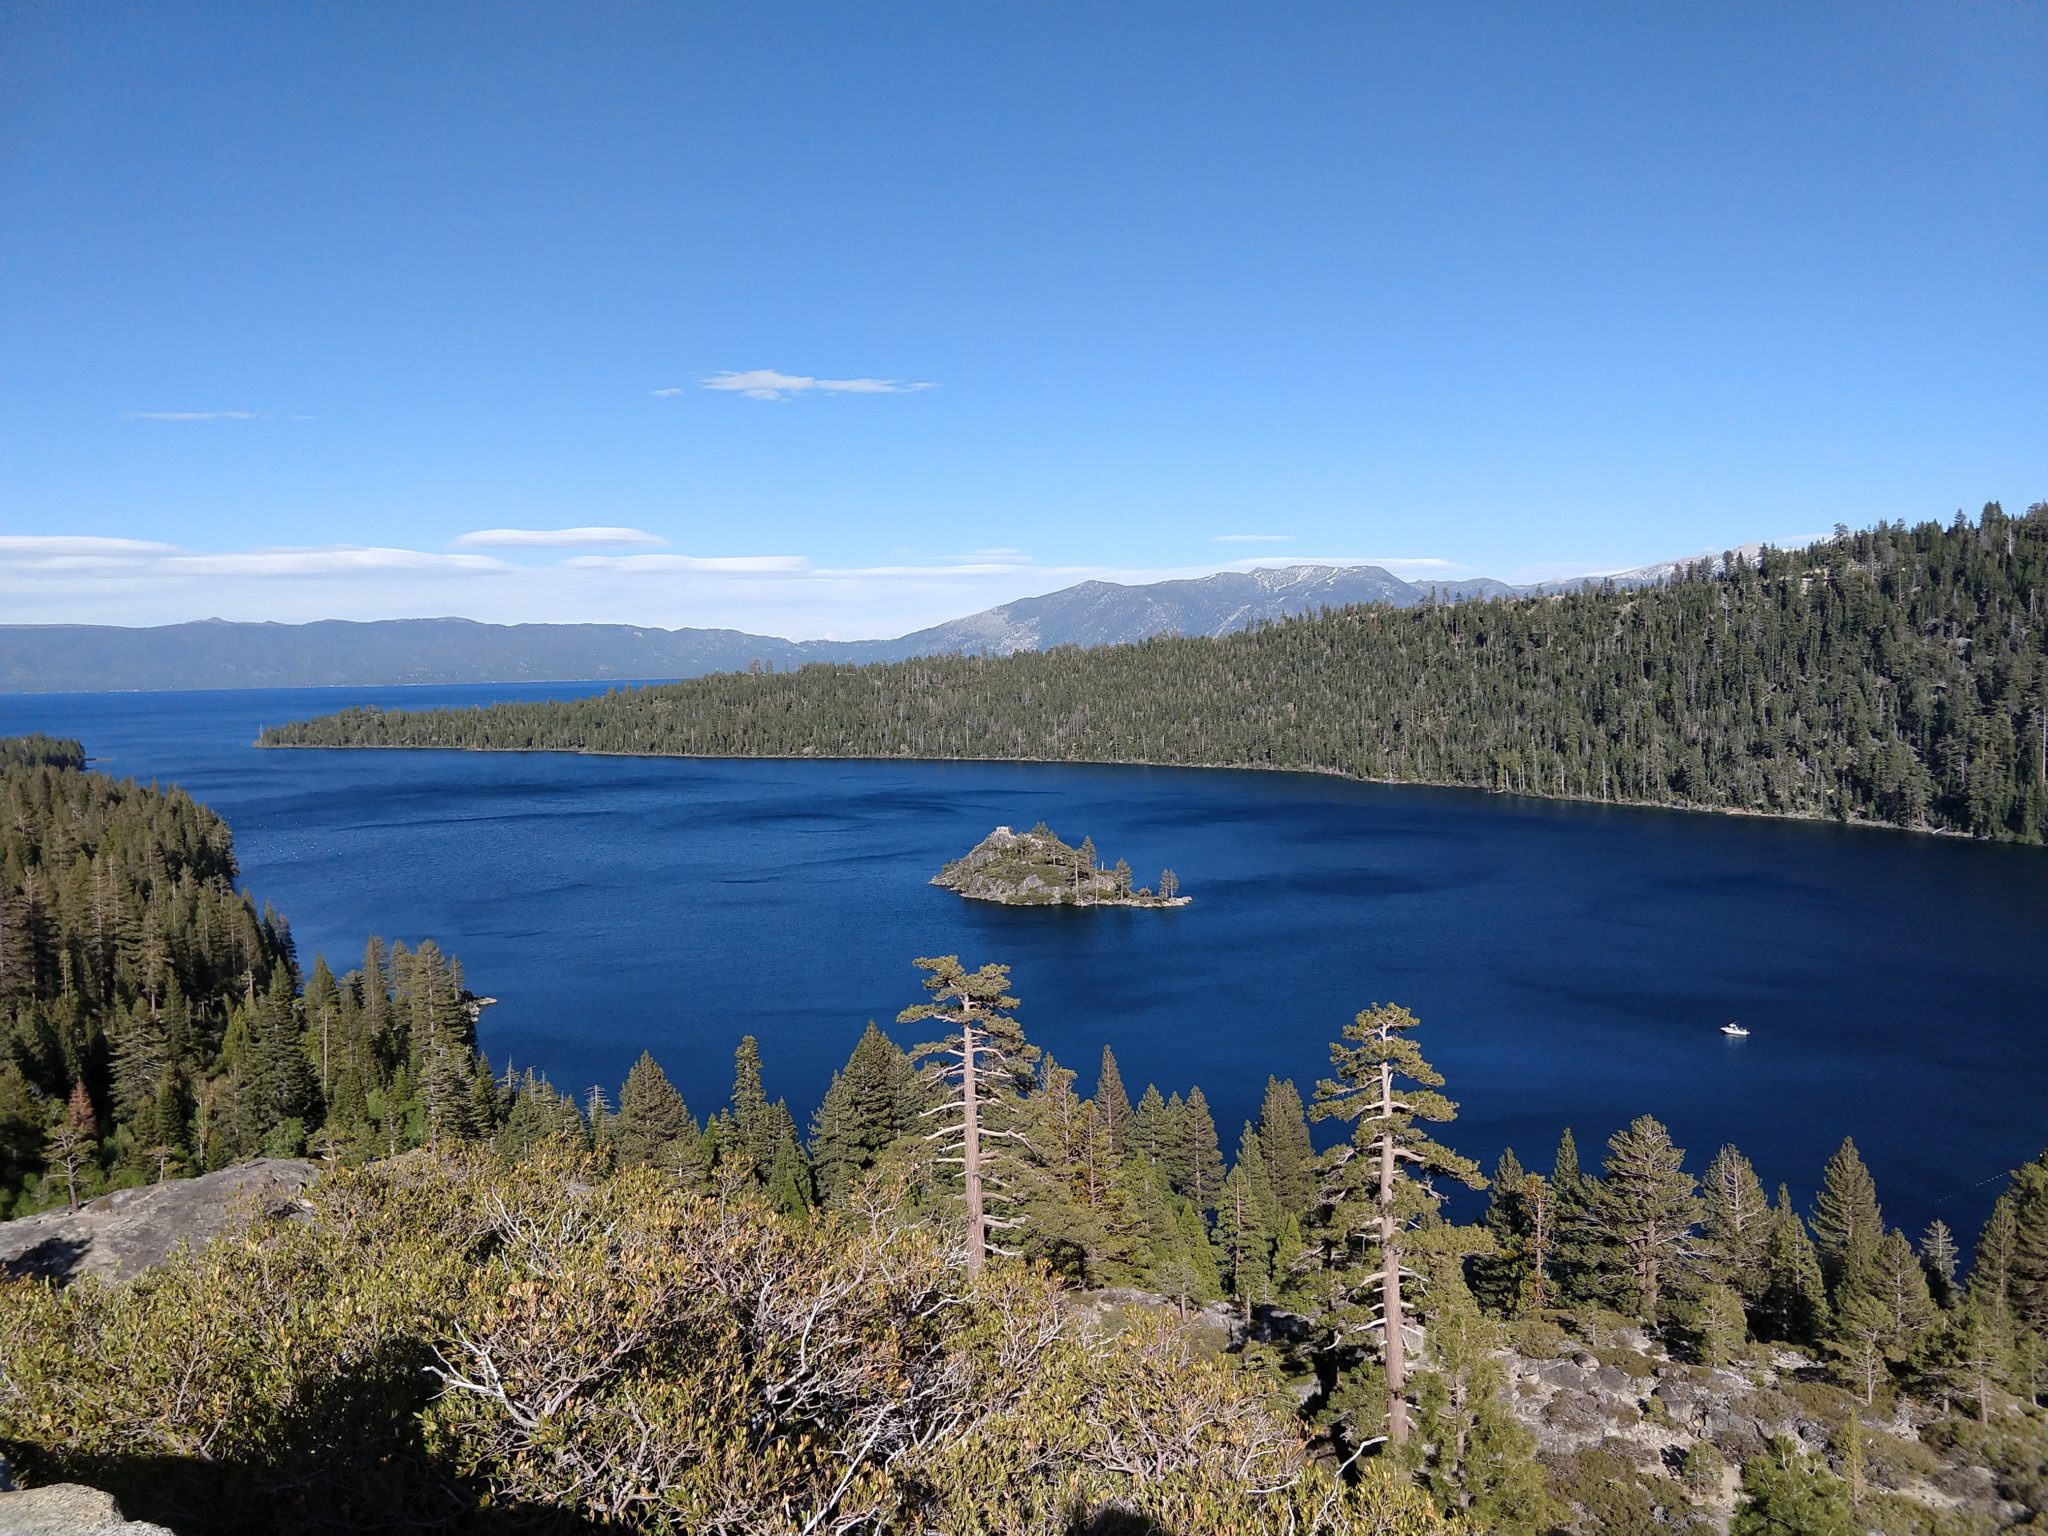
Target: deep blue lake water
[{"x": 1572, "y": 965}]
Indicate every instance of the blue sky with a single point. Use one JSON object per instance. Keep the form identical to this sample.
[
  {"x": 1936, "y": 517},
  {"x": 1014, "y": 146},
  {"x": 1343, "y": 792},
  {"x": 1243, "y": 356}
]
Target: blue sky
[{"x": 299, "y": 303}]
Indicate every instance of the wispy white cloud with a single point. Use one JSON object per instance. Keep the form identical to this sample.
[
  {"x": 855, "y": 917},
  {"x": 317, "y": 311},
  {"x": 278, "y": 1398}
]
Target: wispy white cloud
[
  {"x": 768, "y": 384},
  {"x": 1253, "y": 538},
  {"x": 668, "y": 394},
  {"x": 553, "y": 538},
  {"x": 32, "y": 546},
  {"x": 672, "y": 565},
  {"x": 191, "y": 416},
  {"x": 90, "y": 557}
]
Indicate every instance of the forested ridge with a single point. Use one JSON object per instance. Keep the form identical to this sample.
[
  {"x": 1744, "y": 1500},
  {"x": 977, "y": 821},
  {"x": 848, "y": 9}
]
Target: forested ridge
[
  {"x": 516, "y": 1308},
  {"x": 154, "y": 1021},
  {"x": 1895, "y": 675}
]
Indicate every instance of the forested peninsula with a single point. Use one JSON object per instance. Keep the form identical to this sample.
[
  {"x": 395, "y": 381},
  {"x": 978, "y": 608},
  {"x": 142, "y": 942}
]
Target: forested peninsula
[
  {"x": 966, "y": 1296},
  {"x": 1898, "y": 675}
]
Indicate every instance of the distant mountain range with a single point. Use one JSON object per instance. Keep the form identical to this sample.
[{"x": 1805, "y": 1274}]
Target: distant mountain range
[{"x": 214, "y": 653}]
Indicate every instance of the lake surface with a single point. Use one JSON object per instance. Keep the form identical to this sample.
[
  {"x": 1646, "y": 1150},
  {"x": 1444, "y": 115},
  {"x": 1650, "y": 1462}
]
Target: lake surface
[{"x": 1572, "y": 965}]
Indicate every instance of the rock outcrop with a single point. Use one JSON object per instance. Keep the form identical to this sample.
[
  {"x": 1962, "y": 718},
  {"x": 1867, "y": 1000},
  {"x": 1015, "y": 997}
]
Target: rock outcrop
[
  {"x": 69, "y": 1509},
  {"x": 122, "y": 1233}
]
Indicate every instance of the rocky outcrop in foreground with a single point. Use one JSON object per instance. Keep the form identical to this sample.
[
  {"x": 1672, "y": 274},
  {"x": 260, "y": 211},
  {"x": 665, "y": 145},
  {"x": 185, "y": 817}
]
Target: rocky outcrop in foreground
[
  {"x": 68, "y": 1509},
  {"x": 121, "y": 1234}
]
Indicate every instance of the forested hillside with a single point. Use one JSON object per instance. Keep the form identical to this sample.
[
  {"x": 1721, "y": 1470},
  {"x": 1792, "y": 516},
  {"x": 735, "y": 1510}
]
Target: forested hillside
[
  {"x": 151, "y": 1018},
  {"x": 1896, "y": 675}
]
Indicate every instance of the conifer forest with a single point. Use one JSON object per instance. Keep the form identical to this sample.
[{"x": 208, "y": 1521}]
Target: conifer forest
[
  {"x": 974, "y": 1289},
  {"x": 1896, "y": 675}
]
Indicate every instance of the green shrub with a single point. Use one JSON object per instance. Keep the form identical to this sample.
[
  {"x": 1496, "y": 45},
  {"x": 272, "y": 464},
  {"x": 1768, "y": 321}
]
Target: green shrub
[
  {"x": 469, "y": 1343},
  {"x": 1538, "y": 1338},
  {"x": 1703, "y": 1468}
]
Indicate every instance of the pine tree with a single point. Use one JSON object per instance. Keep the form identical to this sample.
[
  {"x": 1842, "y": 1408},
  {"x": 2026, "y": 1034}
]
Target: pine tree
[
  {"x": 2027, "y": 1272},
  {"x": 1197, "y": 1165},
  {"x": 1377, "y": 1195},
  {"x": 1290, "y": 1156},
  {"x": 1785, "y": 1494},
  {"x": 1885, "y": 1316},
  {"x": 1736, "y": 1225},
  {"x": 1477, "y": 1458},
  {"x": 1794, "y": 1305},
  {"x": 281, "y": 1084},
  {"x": 1245, "y": 1222},
  {"x": 1184, "y": 1266},
  {"x": 750, "y": 1110},
  {"x": 1496, "y": 1278},
  {"x": 1573, "y": 1252},
  {"x": 323, "y": 1017},
  {"x": 653, "y": 1127},
  {"x": 1114, "y": 1106},
  {"x": 1640, "y": 1218},
  {"x": 1973, "y": 1351},
  {"x": 72, "y": 1140},
  {"x": 1151, "y": 1127},
  {"x": 142, "y": 1057},
  {"x": 789, "y": 1178},
  {"x": 984, "y": 1059},
  {"x": 1938, "y": 1258},
  {"x": 871, "y": 1102},
  {"x": 1847, "y": 1224}
]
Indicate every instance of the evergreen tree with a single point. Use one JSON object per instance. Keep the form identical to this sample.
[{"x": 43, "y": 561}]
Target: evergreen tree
[
  {"x": 1640, "y": 1218},
  {"x": 70, "y": 1144},
  {"x": 981, "y": 1065},
  {"x": 1151, "y": 1128},
  {"x": 1114, "y": 1107},
  {"x": 752, "y": 1120},
  {"x": 1736, "y": 1224},
  {"x": 1184, "y": 1262},
  {"x": 1785, "y": 1494},
  {"x": 2027, "y": 1270},
  {"x": 1496, "y": 1277},
  {"x": 1245, "y": 1223},
  {"x": 871, "y": 1102},
  {"x": 1847, "y": 1224},
  {"x": 1377, "y": 1196},
  {"x": 1938, "y": 1257},
  {"x": 281, "y": 1084},
  {"x": 1196, "y": 1165},
  {"x": 789, "y": 1177},
  {"x": 653, "y": 1127},
  {"x": 1476, "y": 1457},
  {"x": 1794, "y": 1305},
  {"x": 1574, "y": 1252},
  {"x": 323, "y": 1021},
  {"x": 1290, "y": 1156},
  {"x": 142, "y": 1057},
  {"x": 1885, "y": 1317}
]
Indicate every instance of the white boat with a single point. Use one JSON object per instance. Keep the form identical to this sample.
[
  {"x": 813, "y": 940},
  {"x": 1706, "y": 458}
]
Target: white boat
[{"x": 1733, "y": 1028}]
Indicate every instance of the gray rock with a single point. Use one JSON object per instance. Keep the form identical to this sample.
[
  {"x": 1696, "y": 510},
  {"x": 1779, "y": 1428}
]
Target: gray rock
[
  {"x": 121, "y": 1234},
  {"x": 68, "y": 1509}
]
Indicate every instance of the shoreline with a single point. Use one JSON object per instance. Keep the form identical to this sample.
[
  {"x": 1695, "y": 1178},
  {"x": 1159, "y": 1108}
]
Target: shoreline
[
  {"x": 1078, "y": 906},
  {"x": 1805, "y": 818}
]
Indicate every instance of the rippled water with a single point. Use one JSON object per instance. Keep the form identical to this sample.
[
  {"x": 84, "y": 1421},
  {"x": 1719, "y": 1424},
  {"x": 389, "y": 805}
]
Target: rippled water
[{"x": 1572, "y": 965}]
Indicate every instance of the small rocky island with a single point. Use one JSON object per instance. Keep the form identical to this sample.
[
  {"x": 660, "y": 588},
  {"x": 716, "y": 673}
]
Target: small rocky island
[{"x": 1036, "y": 869}]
